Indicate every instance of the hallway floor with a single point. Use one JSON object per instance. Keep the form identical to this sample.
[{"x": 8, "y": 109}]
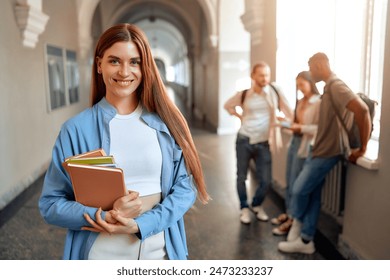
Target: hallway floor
[{"x": 214, "y": 231}]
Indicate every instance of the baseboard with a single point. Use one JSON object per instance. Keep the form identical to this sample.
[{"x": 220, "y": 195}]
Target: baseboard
[
  {"x": 347, "y": 251},
  {"x": 12, "y": 207}
]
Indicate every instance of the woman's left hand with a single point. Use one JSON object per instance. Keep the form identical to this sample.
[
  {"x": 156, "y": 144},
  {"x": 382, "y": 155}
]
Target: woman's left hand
[{"x": 123, "y": 225}]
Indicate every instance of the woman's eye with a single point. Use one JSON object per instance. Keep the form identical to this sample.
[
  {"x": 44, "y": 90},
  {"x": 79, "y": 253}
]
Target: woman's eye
[
  {"x": 135, "y": 62},
  {"x": 114, "y": 61}
]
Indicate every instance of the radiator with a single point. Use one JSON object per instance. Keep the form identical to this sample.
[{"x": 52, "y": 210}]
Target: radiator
[{"x": 333, "y": 191}]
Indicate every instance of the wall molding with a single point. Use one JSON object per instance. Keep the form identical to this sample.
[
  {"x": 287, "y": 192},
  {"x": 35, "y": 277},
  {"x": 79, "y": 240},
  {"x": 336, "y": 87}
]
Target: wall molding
[
  {"x": 253, "y": 20},
  {"x": 31, "y": 21}
]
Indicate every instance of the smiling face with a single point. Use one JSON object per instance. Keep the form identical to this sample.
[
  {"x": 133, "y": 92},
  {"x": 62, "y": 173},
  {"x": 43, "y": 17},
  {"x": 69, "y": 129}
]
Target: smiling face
[{"x": 120, "y": 67}]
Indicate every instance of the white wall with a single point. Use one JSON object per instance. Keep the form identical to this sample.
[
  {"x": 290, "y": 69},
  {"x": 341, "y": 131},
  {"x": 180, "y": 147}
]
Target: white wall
[
  {"x": 27, "y": 130},
  {"x": 234, "y": 64}
]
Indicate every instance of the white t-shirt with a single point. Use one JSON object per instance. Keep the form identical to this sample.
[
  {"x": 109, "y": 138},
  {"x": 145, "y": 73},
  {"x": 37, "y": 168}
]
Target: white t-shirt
[
  {"x": 256, "y": 118},
  {"x": 136, "y": 150}
]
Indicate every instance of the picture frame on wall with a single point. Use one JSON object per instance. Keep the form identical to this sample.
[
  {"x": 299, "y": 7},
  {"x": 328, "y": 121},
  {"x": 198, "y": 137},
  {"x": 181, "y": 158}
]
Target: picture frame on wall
[
  {"x": 72, "y": 75},
  {"x": 63, "y": 82},
  {"x": 56, "y": 77}
]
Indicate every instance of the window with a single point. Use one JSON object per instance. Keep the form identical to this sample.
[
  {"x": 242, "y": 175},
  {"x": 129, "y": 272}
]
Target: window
[
  {"x": 350, "y": 32},
  {"x": 62, "y": 77},
  {"x": 376, "y": 23}
]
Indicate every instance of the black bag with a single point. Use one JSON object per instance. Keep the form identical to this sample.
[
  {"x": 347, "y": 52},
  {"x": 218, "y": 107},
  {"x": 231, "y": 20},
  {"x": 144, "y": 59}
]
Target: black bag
[{"x": 353, "y": 133}]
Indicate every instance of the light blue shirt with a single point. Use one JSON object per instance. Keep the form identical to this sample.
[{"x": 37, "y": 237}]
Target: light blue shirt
[{"x": 89, "y": 130}]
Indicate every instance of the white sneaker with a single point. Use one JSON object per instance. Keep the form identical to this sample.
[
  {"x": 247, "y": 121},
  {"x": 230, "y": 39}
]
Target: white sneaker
[
  {"x": 297, "y": 246},
  {"x": 295, "y": 230},
  {"x": 260, "y": 213},
  {"x": 245, "y": 216}
]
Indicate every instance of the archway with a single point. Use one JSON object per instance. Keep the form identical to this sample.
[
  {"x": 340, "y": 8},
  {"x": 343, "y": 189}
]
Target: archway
[{"x": 183, "y": 36}]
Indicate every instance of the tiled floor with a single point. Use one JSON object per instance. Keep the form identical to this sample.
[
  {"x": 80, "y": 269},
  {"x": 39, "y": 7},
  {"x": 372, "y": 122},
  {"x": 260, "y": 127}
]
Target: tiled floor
[{"x": 214, "y": 231}]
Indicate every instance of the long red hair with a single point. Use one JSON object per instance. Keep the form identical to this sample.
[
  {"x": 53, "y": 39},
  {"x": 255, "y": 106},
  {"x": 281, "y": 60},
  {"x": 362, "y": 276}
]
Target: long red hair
[{"x": 152, "y": 94}]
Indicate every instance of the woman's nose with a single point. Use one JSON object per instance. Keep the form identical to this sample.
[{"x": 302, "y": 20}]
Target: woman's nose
[{"x": 124, "y": 70}]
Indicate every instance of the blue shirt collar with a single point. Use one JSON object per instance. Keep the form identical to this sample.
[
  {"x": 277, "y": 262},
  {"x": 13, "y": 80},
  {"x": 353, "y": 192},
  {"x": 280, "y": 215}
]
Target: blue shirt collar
[{"x": 151, "y": 119}]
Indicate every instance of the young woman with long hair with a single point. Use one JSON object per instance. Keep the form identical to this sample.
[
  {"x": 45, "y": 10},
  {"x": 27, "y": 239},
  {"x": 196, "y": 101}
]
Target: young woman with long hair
[
  {"x": 303, "y": 128},
  {"x": 132, "y": 118}
]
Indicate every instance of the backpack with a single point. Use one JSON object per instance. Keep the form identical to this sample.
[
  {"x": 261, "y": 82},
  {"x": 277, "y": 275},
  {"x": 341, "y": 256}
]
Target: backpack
[
  {"x": 353, "y": 133},
  {"x": 271, "y": 85}
]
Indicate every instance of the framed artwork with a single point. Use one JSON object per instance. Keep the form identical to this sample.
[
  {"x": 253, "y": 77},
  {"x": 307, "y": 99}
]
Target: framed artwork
[
  {"x": 56, "y": 77},
  {"x": 72, "y": 75},
  {"x": 62, "y": 77}
]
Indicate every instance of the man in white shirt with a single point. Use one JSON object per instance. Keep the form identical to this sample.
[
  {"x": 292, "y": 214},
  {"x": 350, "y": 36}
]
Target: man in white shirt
[{"x": 258, "y": 136}]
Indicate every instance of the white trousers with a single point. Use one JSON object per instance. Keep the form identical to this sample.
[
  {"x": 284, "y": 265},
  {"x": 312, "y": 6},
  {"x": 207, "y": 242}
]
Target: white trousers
[{"x": 128, "y": 247}]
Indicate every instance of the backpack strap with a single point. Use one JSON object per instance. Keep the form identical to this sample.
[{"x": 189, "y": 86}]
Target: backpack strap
[
  {"x": 277, "y": 94},
  {"x": 338, "y": 114},
  {"x": 243, "y": 95},
  {"x": 244, "y": 92}
]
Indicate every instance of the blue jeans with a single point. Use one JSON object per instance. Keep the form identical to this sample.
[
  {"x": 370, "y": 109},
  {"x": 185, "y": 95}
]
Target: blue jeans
[
  {"x": 261, "y": 155},
  {"x": 294, "y": 166},
  {"x": 306, "y": 193}
]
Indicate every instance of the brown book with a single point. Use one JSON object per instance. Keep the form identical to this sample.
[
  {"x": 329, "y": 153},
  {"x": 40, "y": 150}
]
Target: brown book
[{"x": 94, "y": 185}]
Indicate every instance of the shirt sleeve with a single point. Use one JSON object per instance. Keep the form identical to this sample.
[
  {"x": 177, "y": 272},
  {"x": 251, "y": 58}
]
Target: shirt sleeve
[
  {"x": 284, "y": 105},
  {"x": 57, "y": 202},
  {"x": 311, "y": 118},
  {"x": 233, "y": 102},
  {"x": 341, "y": 94},
  {"x": 179, "y": 200}
]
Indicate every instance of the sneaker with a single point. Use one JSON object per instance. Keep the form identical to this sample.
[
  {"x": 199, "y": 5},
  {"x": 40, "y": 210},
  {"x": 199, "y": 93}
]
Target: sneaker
[
  {"x": 295, "y": 230},
  {"x": 297, "y": 246},
  {"x": 279, "y": 219},
  {"x": 245, "y": 216},
  {"x": 284, "y": 228},
  {"x": 260, "y": 213}
]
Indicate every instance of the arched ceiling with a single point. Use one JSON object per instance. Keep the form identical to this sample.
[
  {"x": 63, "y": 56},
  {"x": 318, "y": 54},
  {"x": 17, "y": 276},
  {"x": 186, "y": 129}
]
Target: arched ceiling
[
  {"x": 182, "y": 15},
  {"x": 194, "y": 20},
  {"x": 173, "y": 27},
  {"x": 166, "y": 41},
  {"x": 160, "y": 10}
]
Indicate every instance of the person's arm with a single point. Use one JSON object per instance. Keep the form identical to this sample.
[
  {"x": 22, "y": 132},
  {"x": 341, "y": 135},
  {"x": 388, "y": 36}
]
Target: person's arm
[
  {"x": 175, "y": 204},
  {"x": 57, "y": 203},
  {"x": 285, "y": 106},
  {"x": 164, "y": 215},
  {"x": 232, "y": 103},
  {"x": 363, "y": 121},
  {"x": 309, "y": 129},
  {"x": 311, "y": 116}
]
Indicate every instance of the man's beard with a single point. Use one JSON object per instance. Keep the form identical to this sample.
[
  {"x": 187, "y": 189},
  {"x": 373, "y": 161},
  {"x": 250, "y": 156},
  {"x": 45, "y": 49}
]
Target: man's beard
[{"x": 262, "y": 84}]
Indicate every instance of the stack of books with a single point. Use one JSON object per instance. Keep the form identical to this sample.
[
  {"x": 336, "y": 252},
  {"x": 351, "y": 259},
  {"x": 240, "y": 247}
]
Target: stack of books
[{"x": 96, "y": 180}]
